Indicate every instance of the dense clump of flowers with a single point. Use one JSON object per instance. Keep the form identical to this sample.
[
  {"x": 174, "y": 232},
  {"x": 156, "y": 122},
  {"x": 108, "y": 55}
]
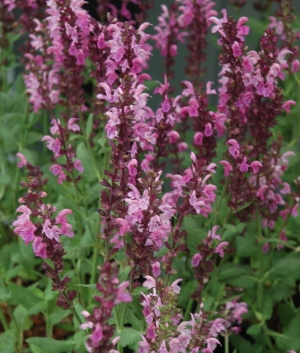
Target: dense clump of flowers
[
  {"x": 38, "y": 225},
  {"x": 112, "y": 293},
  {"x": 166, "y": 332}
]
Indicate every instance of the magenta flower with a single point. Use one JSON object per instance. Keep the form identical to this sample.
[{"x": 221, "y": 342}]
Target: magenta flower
[
  {"x": 234, "y": 148},
  {"x": 227, "y": 167},
  {"x": 198, "y": 138},
  {"x": 196, "y": 260},
  {"x": 122, "y": 296},
  {"x": 220, "y": 248},
  {"x": 255, "y": 166}
]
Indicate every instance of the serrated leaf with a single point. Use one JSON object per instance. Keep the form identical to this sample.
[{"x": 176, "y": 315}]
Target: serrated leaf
[
  {"x": 50, "y": 345},
  {"x": 192, "y": 225},
  {"x": 7, "y": 341},
  {"x": 132, "y": 319},
  {"x": 5, "y": 293},
  {"x": 285, "y": 267},
  {"x": 129, "y": 336}
]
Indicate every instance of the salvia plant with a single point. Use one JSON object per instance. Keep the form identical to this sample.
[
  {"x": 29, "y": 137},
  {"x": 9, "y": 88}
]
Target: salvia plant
[{"x": 139, "y": 214}]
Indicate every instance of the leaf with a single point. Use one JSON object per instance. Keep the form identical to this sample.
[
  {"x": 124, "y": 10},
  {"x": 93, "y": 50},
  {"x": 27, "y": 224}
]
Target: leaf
[
  {"x": 129, "y": 336},
  {"x": 232, "y": 230},
  {"x": 132, "y": 319},
  {"x": 267, "y": 307},
  {"x": 192, "y": 225},
  {"x": 254, "y": 329},
  {"x": 124, "y": 272},
  {"x": 246, "y": 246},
  {"x": 285, "y": 267},
  {"x": 23, "y": 296},
  {"x": 5, "y": 293},
  {"x": 87, "y": 162},
  {"x": 7, "y": 341},
  {"x": 89, "y": 124},
  {"x": 50, "y": 345}
]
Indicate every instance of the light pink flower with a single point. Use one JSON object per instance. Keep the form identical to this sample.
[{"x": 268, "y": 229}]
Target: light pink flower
[
  {"x": 23, "y": 161},
  {"x": 220, "y": 248}
]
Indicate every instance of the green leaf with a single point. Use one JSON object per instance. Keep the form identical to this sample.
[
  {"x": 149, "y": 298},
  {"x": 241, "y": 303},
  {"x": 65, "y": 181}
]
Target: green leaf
[
  {"x": 87, "y": 162},
  {"x": 254, "y": 329},
  {"x": 133, "y": 320},
  {"x": 246, "y": 246},
  {"x": 267, "y": 307},
  {"x": 89, "y": 124},
  {"x": 5, "y": 293},
  {"x": 124, "y": 273},
  {"x": 193, "y": 225},
  {"x": 23, "y": 296},
  {"x": 232, "y": 230},
  {"x": 129, "y": 336},
  {"x": 7, "y": 341},
  {"x": 285, "y": 267},
  {"x": 50, "y": 345}
]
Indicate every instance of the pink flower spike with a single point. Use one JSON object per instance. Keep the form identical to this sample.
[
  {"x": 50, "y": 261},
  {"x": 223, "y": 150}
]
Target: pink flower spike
[
  {"x": 150, "y": 282},
  {"x": 220, "y": 248},
  {"x": 244, "y": 166},
  {"x": 255, "y": 166},
  {"x": 22, "y": 158},
  {"x": 196, "y": 260},
  {"x": 287, "y": 105},
  {"x": 208, "y": 88}
]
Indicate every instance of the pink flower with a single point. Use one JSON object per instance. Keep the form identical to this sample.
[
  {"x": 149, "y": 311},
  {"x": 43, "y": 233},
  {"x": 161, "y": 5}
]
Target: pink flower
[
  {"x": 218, "y": 22},
  {"x": 173, "y": 136},
  {"x": 236, "y": 49},
  {"x": 234, "y": 148},
  {"x": 39, "y": 248},
  {"x": 56, "y": 169},
  {"x": 220, "y": 248},
  {"x": 22, "y": 158},
  {"x": 78, "y": 165},
  {"x": 208, "y": 130},
  {"x": 208, "y": 88},
  {"x": 51, "y": 231},
  {"x": 122, "y": 296},
  {"x": 212, "y": 343},
  {"x": 255, "y": 166},
  {"x": 196, "y": 260},
  {"x": 124, "y": 226},
  {"x": 52, "y": 144},
  {"x": 217, "y": 327},
  {"x": 132, "y": 167},
  {"x": 97, "y": 335},
  {"x": 150, "y": 282},
  {"x": 182, "y": 146},
  {"x": 195, "y": 202},
  {"x": 287, "y": 105},
  {"x": 26, "y": 231},
  {"x": 295, "y": 65},
  {"x": 198, "y": 138},
  {"x": 163, "y": 348},
  {"x": 72, "y": 125},
  {"x": 244, "y": 166},
  {"x": 156, "y": 268},
  {"x": 175, "y": 286},
  {"x": 227, "y": 167}
]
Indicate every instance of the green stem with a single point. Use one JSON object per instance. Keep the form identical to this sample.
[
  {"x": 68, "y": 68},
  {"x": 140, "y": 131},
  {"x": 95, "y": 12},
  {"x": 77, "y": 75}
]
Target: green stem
[
  {"x": 226, "y": 344},
  {"x": 72, "y": 307},
  {"x": 269, "y": 342},
  {"x": 260, "y": 283},
  {"x": 88, "y": 145},
  {"x": 94, "y": 272},
  {"x": 3, "y": 320},
  {"x": 188, "y": 309}
]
